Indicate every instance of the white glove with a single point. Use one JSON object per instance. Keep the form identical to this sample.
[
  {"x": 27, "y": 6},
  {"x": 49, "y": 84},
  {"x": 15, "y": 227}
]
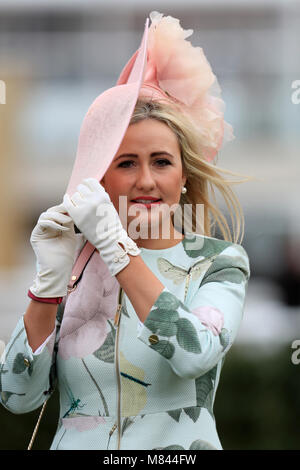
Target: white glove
[
  {"x": 96, "y": 217},
  {"x": 53, "y": 240}
]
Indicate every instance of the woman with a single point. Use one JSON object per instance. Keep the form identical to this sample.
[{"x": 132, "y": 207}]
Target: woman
[{"x": 146, "y": 376}]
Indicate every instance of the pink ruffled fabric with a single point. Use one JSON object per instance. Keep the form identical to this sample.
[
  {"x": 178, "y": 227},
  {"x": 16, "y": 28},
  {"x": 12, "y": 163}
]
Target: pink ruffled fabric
[
  {"x": 210, "y": 317},
  {"x": 182, "y": 71}
]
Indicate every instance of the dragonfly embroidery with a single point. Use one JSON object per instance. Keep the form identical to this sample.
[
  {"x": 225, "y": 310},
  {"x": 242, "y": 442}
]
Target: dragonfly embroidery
[{"x": 74, "y": 402}]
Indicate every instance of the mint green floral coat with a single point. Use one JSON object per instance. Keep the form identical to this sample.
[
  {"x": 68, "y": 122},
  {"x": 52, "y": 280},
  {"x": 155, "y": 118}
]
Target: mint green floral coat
[{"x": 128, "y": 385}]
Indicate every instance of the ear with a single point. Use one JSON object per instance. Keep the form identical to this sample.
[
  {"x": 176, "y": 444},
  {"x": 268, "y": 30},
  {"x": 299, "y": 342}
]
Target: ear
[{"x": 184, "y": 178}]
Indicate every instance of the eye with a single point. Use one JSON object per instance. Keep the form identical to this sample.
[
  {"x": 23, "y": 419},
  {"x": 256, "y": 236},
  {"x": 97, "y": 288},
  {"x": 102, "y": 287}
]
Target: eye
[
  {"x": 162, "y": 162},
  {"x": 123, "y": 163}
]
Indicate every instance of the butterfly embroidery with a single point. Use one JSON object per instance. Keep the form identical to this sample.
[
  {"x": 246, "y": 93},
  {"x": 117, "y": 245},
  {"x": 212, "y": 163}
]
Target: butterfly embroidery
[{"x": 178, "y": 275}]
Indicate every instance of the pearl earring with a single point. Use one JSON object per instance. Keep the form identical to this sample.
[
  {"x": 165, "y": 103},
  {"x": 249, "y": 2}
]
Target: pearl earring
[{"x": 183, "y": 190}]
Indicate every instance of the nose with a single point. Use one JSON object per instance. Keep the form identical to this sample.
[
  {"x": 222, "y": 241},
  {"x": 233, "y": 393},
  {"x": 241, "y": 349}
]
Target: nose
[{"x": 145, "y": 179}]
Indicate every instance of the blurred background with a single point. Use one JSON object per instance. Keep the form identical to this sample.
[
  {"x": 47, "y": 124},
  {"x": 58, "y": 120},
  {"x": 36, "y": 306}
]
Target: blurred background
[{"x": 55, "y": 58}]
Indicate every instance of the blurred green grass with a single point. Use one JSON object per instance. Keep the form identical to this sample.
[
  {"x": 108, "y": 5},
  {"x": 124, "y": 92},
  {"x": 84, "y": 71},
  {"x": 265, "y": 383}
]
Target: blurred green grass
[{"x": 257, "y": 406}]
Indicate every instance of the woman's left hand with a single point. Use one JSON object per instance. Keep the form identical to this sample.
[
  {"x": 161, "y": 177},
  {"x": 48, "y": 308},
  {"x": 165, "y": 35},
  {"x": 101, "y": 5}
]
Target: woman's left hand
[{"x": 95, "y": 215}]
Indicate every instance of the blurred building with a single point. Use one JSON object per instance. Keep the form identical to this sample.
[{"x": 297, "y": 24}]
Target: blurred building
[{"x": 57, "y": 56}]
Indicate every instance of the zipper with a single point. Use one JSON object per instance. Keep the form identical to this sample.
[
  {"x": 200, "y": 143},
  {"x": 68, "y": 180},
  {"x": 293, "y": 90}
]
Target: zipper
[
  {"x": 117, "y": 324},
  {"x": 187, "y": 283}
]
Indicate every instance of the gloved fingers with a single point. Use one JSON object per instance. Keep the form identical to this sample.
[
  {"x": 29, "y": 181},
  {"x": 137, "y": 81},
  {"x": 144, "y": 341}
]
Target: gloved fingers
[
  {"x": 69, "y": 204},
  {"x": 60, "y": 208},
  {"x": 56, "y": 217},
  {"x": 97, "y": 187},
  {"x": 94, "y": 190},
  {"x": 84, "y": 193},
  {"x": 72, "y": 204},
  {"x": 52, "y": 222},
  {"x": 89, "y": 189},
  {"x": 93, "y": 184},
  {"x": 52, "y": 225},
  {"x": 84, "y": 190},
  {"x": 77, "y": 199},
  {"x": 48, "y": 229}
]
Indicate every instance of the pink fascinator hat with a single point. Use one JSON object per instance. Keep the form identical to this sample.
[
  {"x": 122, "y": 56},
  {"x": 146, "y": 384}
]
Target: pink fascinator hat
[
  {"x": 107, "y": 120},
  {"x": 166, "y": 67}
]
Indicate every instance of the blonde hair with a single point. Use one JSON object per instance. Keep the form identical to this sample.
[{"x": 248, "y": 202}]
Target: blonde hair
[{"x": 202, "y": 177}]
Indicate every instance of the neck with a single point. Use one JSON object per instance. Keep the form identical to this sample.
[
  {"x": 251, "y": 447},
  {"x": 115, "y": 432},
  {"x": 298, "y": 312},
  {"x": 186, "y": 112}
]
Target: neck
[{"x": 160, "y": 243}]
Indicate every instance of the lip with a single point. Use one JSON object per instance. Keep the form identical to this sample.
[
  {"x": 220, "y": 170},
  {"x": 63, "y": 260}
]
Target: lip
[
  {"x": 146, "y": 198},
  {"x": 148, "y": 205}
]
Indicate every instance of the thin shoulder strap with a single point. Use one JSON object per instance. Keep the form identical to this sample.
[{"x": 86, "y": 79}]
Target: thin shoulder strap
[{"x": 81, "y": 262}]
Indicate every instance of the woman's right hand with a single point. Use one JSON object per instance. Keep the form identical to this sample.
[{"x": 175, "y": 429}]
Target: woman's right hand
[{"x": 53, "y": 241}]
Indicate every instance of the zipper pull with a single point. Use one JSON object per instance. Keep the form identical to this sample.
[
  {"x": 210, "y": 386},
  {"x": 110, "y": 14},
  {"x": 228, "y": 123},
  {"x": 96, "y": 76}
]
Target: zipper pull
[
  {"x": 112, "y": 429},
  {"x": 111, "y": 433},
  {"x": 117, "y": 315}
]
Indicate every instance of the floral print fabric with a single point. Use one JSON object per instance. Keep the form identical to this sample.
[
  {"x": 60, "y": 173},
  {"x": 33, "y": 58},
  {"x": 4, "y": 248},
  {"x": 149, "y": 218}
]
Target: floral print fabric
[{"x": 133, "y": 385}]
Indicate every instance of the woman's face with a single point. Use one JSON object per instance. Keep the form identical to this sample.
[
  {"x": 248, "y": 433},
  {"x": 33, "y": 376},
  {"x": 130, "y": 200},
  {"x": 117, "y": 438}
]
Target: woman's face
[{"x": 148, "y": 163}]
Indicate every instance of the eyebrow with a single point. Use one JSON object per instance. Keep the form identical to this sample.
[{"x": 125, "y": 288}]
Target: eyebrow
[{"x": 153, "y": 154}]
